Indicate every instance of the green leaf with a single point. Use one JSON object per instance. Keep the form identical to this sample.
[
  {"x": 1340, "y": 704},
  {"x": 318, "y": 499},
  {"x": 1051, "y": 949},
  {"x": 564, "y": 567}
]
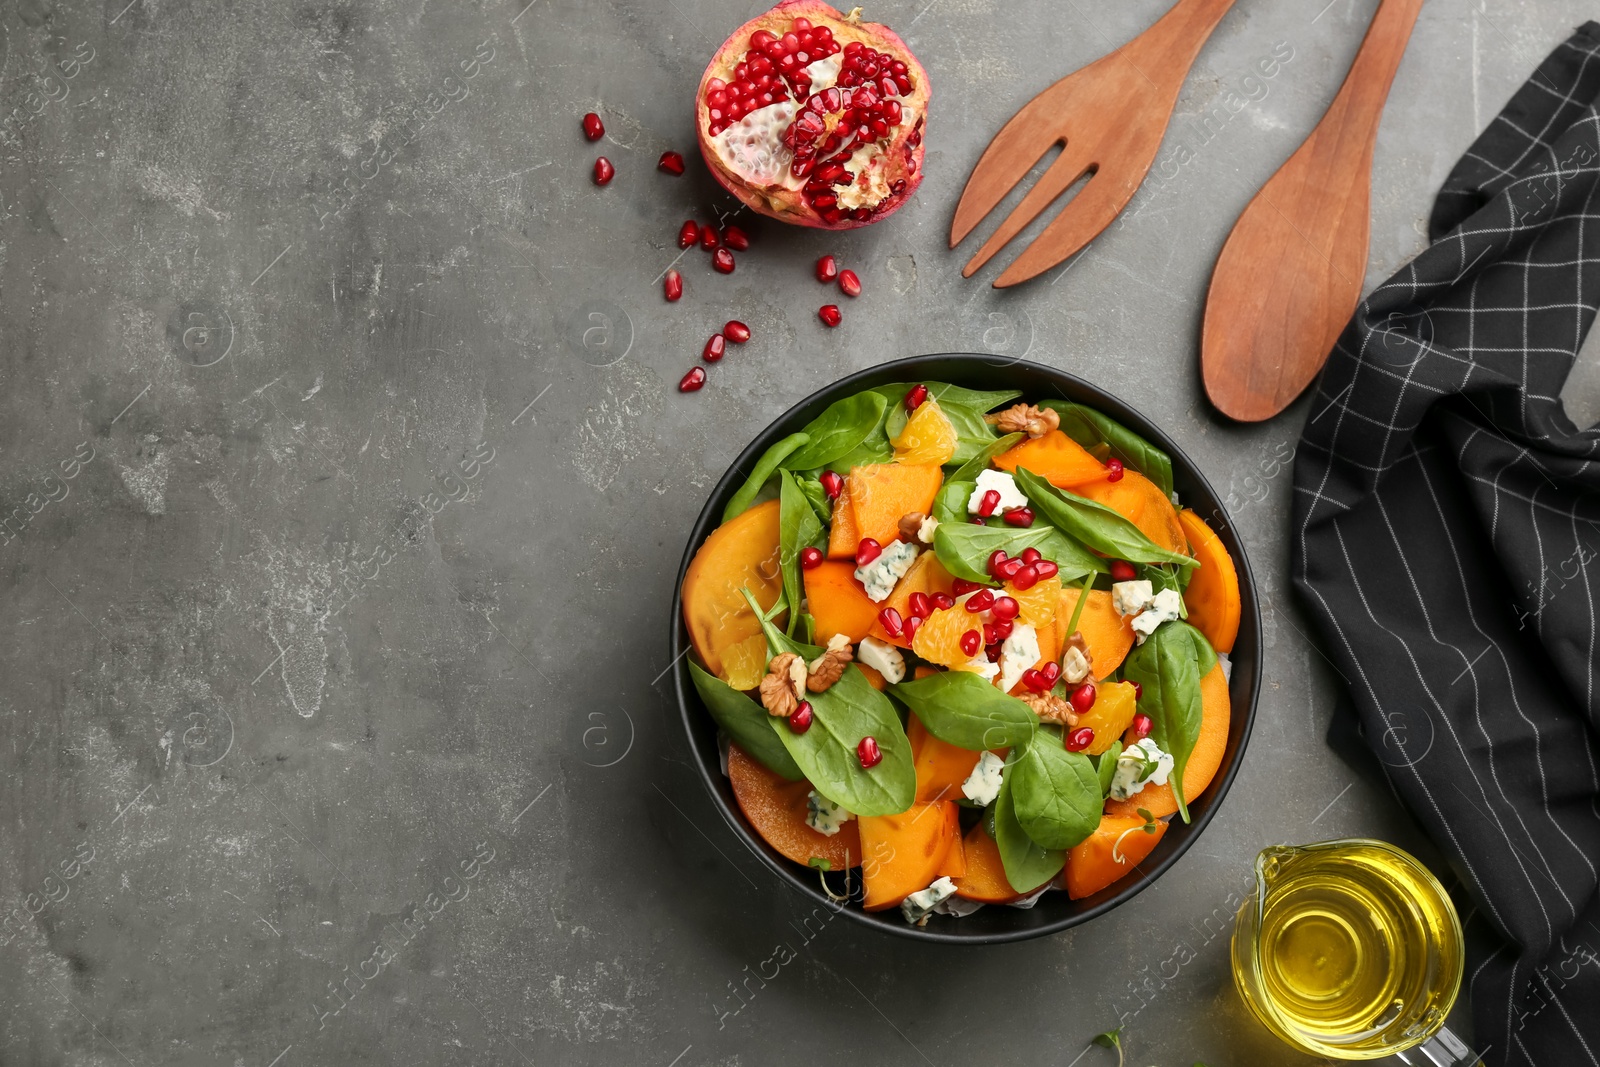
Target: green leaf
[
  {"x": 1096, "y": 525},
  {"x": 969, "y": 471},
  {"x": 950, "y": 502},
  {"x": 1109, "y": 1039},
  {"x": 1167, "y": 666},
  {"x": 1055, "y": 793},
  {"x": 839, "y": 430},
  {"x": 964, "y": 549},
  {"x": 1027, "y": 865},
  {"x": 963, "y": 407},
  {"x": 1089, "y": 427},
  {"x": 759, "y": 474},
  {"x": 818, "y": 499},
  {"x": 798, "y": 527},
  {"x": 745, "y": 721},
  {"x": 960, "y": 708},
  {"x": 820, "y": 864},
  {"x": 1106, "y": 766}
]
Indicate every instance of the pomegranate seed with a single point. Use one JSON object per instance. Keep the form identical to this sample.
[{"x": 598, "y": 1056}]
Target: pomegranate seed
[
  {"x": 708, "y": 238},
  {"x": 1003, "y": 628},
  {"x": 1035, "y": 681},
  {"x": 916, "y": 396},
  {"x": 1138, "y": 690},
  {"x": 603, "y": 170},
  {"x": 849, "y": 284},
  {"x": 1030, "y": 555},
  {"x": 1027, "y": 577},
  {"x": 693, "y": 380},
  {"x": 919, "y": 605},
  {"x": 736, "y": 331},
  {"x": 991, "y": 635},
  {"x": 829, "y": 314},
  {"x": 1122, "y": 571},
  {"x": 735, "y": 238},
  {"x": 997, "y": 557},
  {"x": 943, "y": 601},
  {"x": 722, "y": 261},
  {"x": 991, "y": 652},
  {"x": 810, "y": 558},
  {"x": 891, "y": 621},
  {"x": 672, "y": 285},
  {"x": 670, "y": 162},
  {"x": 1046, "y": 569},
  {"x": 867, "y": 551},
  {"x": 911, "y": 628},
  {"x": 982, "y": 600},
  {"x": 832, "y": 484},
  {"x": 716, "y": 345},
  {"x": 1005, "y": 608},
  {"x": 1113, "y": 470},
  {"x": 1142, "y": 725},
  {"x": 1050, "y": 671},
  {"x": 1080, "y": 739},
  {"x": 975, "y": 521},
  {"x": 1009, "y": 569},
  {"x": 800, "y": 718},
  {"x": 961, "y": 587},
  {"x": 593, "y": 128},
  {"x": 971, "y": 641},
  {"x": 990, "y": 501},
  {"x": 867, "y": 752},
  {"x": 1083, "y": 697},
  {"x": 1022, "y": 517},
  {"x": 688, "y": 234},
  {"x": 827, "y": 269}
]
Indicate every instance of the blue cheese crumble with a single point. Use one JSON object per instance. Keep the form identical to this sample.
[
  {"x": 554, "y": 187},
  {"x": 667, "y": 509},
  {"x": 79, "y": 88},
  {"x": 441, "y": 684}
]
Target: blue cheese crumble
[
  {"x": 983, "y": 784},
  {"x": 1140, "y": 764},
  {"x": 883, "y": 658},
  {"x": 919, "y": 905},
  {"x": 1130, "y": 598},
  {"x": 1002, "y": 483},
  {"x": 824, "y": 816},
  {"x": 878, "y": 578},
  {"x": 1019, "y": 652},
  {"x": 1165, "y": 606}
]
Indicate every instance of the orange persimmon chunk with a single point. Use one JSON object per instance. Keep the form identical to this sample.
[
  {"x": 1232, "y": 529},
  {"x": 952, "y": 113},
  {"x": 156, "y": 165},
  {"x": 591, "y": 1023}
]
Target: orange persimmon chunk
[
  {"x": 1108, "y": 635},
  {"x": 741, "y": 553},
  {"x": 1213, "y": 593},
  {"x": 883, "y": 493},
  {"x": 837, "y": 602},
  {"x": 941, "y": 766},
  {"x": 927, "y": 576},
  {"x": 776, "y": 808},
  {"x": 1106, "y": 855},
  {"x": 1055, "y": 457},
  {"x": 985, "y": 880},
  {"x": 842, "y": 534},
  {"x": 1216, "y": 710},
  {"x": 955, "y": 860},
  {"x": 1140, "y": 501},
  {"x": 903, "y": 853}
]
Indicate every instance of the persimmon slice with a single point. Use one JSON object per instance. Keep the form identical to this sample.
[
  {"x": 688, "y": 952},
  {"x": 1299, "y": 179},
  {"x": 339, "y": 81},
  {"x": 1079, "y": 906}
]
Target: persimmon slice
[
  {"x": 985, "y": 880},
  {"x": 776, "y": 808},
  {"x": 837, "y": 602},
  {"x": 1109, "y": 854},
  {"x": 1108, "y": 635},
  {"x": 1055, "y": 457},
  {"x": 904, "y": 853},
  {"x": 1213, "y": 593},
  {"x": 1140, "y": 501},
  {"x": 741, "y": 553},
  {"x": 1216, "y": 710}
]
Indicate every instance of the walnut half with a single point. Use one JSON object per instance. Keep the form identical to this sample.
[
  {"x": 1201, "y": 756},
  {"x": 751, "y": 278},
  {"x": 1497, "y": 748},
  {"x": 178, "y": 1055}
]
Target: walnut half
[
  {"x": 1051, "y": 708},
  {"x": 1025, "y": 418},
  {"x": 784, "y": 684},
  {"x": 829, "y": 667}
]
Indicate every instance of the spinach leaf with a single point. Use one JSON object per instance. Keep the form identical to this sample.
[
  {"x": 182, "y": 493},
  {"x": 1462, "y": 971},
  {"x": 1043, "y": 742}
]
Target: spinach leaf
[
  {"x": 1027, "y": 865},
  {"x": 745, "y": 721},
  {"x": 797, "y": 528},
  {"x": 964, "y": 549},
  {"x": 842, "y": 715},
  {"x": 950, "y": 502},
  {"x": 1096, "y": 525},
  {"x": 1089, "y": 427},
  {"x": 1055, "y": 794},
  {"x": 839, "y": 430},
  {"x": 818, "y": 499},
  {"x": 960, "y": 708},
  {"x": 1106, "y": 766},
  {"x": 979, "y": 463},
  {"x": 1167, "y": 666},
  {"x": 759, "y": 474}
]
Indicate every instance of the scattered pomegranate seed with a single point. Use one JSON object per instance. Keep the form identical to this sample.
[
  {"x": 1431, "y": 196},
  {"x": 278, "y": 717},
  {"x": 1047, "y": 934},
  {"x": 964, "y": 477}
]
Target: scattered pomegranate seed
[
  {"x": 1142, "y": 725},
  {"x": 849, "y": 284},
  {"x": 692, "y": 381},
  {"x": 1122, "y": 571},
  {"x": 716, "y": 345},
  {"x": 735, "y": 238},
  {"x": 810, "y": 557},
  {"x": 1138, "y": 690},
  {"x": 1035, "y": 680},
  {"x": 1017, "y": 516},
  {"x": 919, "y": 605},
  {"x": 832, "y": 484},
  {"x": 971, "y": 641},
  {"x": 1046, "y": 568},
  {"x": 916, "y": 396},
  {"x": 867, "y": 550},
  {"x": 670, "y": 162},
  {"x": 1027, "y": 576},
  {"x": 990, "y": 501},
  {"x": 867, "y": 752},
  {"x": 911, "y": 628},
  {"x": 997, "y": 557},
  {"x": 891, "y": 621},
  {"x": 961, "y": 587},
  {"x": 709, "y": 239},
  {"x": 991, "y": 652},
  {"x": 829, "y": 314},
  {"x": 943, "y": 601},
  {"x": 603, "y": 170},
  {"x": 1005, "y": 608},
  {"x": 1080, "y": 739},
  {"x": 672, "y": 285},
  {"x": 1113, "y": 470},
  {"x": 975, "y": 521},
  {"x": 1083, "y": 697},
  {"x": 1008, "y": 569},
  {"x": 688, "y": 234},
  {"x": 827, "y": 269},
  {"x": 1003, "y": 628},
  {"x": 800, "y": 718},
  {"x": 1051, "y": 671},
  {"x": 736, "y": 331},
  {"x": 722, "y": 261},
  {"x": 982, "y": 600},
  {"x": 593, "y": 128}
]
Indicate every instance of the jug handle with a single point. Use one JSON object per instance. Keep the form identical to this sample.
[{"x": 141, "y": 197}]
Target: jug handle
[{"x": 1443, "y": 1049}]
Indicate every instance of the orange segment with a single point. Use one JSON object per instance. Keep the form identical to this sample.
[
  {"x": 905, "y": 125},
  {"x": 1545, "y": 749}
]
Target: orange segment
[
  {"x": 843, "y": 537},
  {"x": 1203, "y": 761},
  {"x": 1038, "y": 602},
  {"x": 985, "y": 879},
  {"x": 1213, "y": 593},
  {"x": 777, "y": 809},
  {"x": 1055, "y": 457},
  {"x": 742, "y": 552},
  {"x": 837, "y": 602},
  {"x": 1140, "y": 501},
  {"x": 883, "y": 493},
  {"x": 938, "y": 639},
  {"x": 927, "y": 436},
  {"x": 744, "y": 664},
  {"x": 1117, "y": 845},
  {"x": 928, "y": 576},
  {"x": 1112, "y": 713},
  {"x": 1108, "y": 635}
]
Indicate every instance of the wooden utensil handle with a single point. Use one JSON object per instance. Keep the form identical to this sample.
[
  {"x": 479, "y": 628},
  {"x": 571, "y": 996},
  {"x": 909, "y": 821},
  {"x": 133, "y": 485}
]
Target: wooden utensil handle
[
  {"x": 1178, "y": 36},
  {"x": 1361, "y": 98}
]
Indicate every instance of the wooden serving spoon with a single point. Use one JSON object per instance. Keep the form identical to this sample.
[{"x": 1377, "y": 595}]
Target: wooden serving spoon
[{"x": 1291, "y": 272}]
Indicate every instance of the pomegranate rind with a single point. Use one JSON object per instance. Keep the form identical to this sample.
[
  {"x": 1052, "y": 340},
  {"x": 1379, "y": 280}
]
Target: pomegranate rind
[{"x": 903, "y": 162}]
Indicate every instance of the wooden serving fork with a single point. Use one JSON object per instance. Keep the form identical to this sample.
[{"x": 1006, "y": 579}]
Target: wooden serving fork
[{"x": 1110, "y": 117}]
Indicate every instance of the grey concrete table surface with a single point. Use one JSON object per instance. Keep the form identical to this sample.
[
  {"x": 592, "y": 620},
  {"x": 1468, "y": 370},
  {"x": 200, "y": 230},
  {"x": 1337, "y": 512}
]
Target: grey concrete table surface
[{"x": 353, "y": 481}]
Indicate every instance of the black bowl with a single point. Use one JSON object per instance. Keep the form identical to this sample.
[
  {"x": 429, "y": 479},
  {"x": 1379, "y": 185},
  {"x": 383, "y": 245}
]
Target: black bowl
[{"x": 1054, "y": 911}]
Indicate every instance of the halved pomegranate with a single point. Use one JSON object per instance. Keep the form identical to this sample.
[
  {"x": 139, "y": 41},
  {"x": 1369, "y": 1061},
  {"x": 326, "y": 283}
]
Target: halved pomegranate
[{"x": 814, "y": 117}]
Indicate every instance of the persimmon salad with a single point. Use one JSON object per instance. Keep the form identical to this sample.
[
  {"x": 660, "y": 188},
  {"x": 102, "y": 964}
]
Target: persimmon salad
[{"x": 971, "y": 645}]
